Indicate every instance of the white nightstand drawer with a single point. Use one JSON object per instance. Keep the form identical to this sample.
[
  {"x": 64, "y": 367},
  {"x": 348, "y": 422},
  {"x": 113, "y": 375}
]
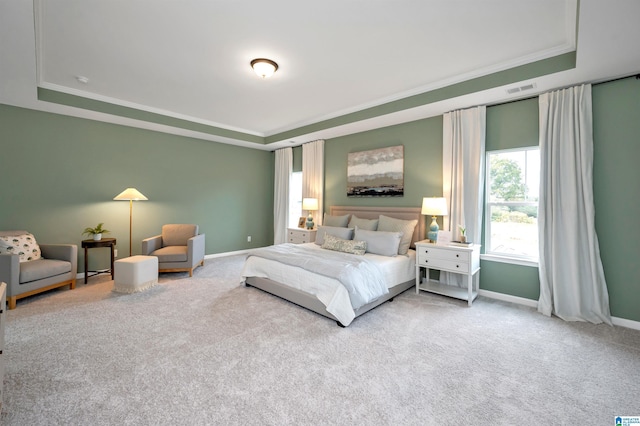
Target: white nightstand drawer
[
  {"x": 301, "y": 236},
  {"x": 439, "y": 253},
  {"x": 448, "y": 265}
]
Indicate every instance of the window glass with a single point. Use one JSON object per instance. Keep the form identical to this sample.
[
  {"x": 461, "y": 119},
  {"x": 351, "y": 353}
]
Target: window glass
[{"x": 513, "y": 184}]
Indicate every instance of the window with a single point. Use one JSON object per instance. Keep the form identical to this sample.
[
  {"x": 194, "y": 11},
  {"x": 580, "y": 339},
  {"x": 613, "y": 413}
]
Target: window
[
  {"x": 513, "y": 180},
  {"x": 295, "y": 199}
]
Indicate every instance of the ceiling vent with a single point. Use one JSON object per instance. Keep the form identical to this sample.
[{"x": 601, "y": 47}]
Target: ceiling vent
[{"x": 513, "y": 90}]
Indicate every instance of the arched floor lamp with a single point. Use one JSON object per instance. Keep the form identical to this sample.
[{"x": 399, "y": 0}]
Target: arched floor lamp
[{"x": 130, "y": 194}]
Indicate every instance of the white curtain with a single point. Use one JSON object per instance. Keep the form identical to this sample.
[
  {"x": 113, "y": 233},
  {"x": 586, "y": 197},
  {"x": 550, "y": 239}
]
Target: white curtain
[
  {"x": 313, "y": 176},
  {"x": 283, "y": 167},
  {"x": 572, "y": 282},
  {"x": 463, "y": 147}
]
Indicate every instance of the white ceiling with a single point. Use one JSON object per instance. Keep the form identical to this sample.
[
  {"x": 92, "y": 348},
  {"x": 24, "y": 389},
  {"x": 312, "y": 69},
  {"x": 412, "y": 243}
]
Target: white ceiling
[{"x": 189, "y": 59}]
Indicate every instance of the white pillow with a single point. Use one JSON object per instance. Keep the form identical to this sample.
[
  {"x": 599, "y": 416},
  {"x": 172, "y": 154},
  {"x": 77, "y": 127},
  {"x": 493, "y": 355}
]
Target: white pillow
[
  {"x": 24, "y": 245},
  {"x": 339, "y": 221},
  {"x": 378, "y": 242},
  {"x": 366, "y": 224},
  {"x": 336, "y": 231},
  {"x": 389, "y": 224}
]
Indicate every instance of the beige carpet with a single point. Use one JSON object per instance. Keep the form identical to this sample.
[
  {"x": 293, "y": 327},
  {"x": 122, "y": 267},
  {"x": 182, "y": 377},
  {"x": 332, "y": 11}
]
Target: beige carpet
[{"x": 206, "y": 350}]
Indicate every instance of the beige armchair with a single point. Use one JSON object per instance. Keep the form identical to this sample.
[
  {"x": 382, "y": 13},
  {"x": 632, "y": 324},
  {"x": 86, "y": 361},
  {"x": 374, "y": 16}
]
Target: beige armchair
[
  {"x": 178, "y": 248},
  {"x": 57, "y": 267}
]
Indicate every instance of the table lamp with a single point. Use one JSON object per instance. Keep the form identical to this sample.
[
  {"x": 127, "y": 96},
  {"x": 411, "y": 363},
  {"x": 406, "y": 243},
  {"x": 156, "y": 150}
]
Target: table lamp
[
  {"x": 310, "y": 204},
  {"x": 434, "y": 206},
  {"x": 130, "y": 194}
]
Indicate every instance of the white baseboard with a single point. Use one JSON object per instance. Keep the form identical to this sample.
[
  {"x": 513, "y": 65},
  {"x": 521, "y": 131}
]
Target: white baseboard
[
  {"x": 626, "y": 323},
  {"x": 621, "y": 322},
  {"x": 508, "y": 298}
]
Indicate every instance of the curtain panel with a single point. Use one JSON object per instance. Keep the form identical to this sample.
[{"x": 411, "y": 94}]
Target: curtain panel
[
  {"x": 572, "y": 281},
  {"x": 313, "y": 176},
  {"x": 283, "y": 168},
  {"x": 463, "y": 148}
]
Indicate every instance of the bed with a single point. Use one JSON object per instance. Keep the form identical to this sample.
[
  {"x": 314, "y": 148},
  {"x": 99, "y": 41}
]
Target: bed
[{"x": 326, "y": 295}]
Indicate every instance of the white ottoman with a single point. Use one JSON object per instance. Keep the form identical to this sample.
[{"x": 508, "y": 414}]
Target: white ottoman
[{"x": 135, "y": 273}]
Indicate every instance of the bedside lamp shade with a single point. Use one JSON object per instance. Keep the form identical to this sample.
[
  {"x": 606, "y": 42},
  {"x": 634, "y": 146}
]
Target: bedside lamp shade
[
  {"x": 434, "y": 206},
  {"x": 310, "y": 204}
]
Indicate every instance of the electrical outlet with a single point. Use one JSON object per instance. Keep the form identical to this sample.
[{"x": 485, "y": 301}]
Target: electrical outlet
[
  {"x": 115, "y": 253},
  {"x": 248, "y": 238}
]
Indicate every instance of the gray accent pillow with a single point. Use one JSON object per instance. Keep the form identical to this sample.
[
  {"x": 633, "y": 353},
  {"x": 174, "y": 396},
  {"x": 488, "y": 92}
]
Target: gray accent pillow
[
  {"x": 336, "y": 231},
  {"x": 366, "y": 224},
  {"x": 345, "y": 246},
  {"x": 340, "y": 221},
  {"x": 379, "y": 242},
  {"x": 389, "y": 224}
]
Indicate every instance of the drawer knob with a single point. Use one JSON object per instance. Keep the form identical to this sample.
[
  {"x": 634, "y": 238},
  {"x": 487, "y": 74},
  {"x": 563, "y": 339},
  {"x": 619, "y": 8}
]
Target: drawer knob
[
  {"x": 457, "y": 266},
  {"x": 457, "y": 255}
]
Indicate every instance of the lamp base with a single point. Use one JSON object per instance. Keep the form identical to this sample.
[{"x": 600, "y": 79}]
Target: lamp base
[
  {"x": 309, "y": 222},
  {"x": 433, "y": 230}
]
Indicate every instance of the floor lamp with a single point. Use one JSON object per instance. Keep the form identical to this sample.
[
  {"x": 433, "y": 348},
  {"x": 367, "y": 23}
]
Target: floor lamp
[{"x": 130, "y": 194}]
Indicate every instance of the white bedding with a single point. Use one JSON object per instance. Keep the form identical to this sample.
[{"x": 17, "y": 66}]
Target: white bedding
[{"x": 396, "y": 270}]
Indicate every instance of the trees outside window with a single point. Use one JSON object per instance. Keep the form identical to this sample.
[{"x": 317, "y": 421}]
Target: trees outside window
[{"x": 512, "y": 203}]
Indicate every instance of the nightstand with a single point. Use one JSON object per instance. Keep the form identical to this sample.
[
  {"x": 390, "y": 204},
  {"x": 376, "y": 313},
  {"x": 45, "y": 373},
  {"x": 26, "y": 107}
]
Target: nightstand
[
  {"x": 301, "y": 236},
  {"x": 460, "y": 260}
]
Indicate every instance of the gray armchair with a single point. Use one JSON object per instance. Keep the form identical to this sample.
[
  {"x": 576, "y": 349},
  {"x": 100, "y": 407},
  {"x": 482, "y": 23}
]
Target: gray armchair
[
  {"x": 178, "y": 248},
  {"x": 57, "y": 267}
]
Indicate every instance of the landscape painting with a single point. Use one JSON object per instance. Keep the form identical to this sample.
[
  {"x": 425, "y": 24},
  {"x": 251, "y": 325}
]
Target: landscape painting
[{"x": 376, "y": 173}]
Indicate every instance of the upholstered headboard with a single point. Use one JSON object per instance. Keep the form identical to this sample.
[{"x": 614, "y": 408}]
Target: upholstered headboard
[{"x": 404, "y": 213}]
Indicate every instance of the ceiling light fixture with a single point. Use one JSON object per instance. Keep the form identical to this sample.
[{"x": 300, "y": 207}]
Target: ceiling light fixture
[{"x": 264, "y": 67}]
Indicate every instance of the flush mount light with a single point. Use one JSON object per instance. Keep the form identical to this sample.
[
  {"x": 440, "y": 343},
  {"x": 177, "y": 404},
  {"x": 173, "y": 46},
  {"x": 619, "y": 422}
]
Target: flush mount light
[{"x": 264, "y": 67}]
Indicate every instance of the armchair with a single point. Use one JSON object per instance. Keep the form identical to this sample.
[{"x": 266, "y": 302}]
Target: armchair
[
  {"x": 57, "y": 267},
  {"x": 178, "y": 248}
]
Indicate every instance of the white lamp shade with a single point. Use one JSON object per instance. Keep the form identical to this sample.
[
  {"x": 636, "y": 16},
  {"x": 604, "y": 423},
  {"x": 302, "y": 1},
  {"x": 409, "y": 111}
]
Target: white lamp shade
[
  {"x": 434, "y": 206},
  {"x": 130, "y": 194},
  {"x": 309, "y": 204}
]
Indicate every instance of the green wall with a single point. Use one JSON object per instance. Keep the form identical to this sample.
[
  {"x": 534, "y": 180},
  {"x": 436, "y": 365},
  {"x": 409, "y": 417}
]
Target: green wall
[
  {"x": 61, "y": 174},
  {"x": 616, "y": 190},
  {"x": 422, "y": 141}
]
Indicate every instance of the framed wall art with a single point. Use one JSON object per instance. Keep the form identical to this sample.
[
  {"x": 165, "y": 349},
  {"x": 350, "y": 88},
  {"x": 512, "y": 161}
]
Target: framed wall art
[{"x": 376, "y": 173}]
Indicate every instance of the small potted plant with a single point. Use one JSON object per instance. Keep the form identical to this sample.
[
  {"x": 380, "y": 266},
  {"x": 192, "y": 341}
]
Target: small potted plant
[
  {"x": 463, "y": 237},
  {"x": 96, "y": 232}
]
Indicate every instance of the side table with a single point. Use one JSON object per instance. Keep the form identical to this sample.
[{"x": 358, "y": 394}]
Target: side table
[
  {"x": 87, "y": 244},
  {"x": 459, "y": 260},
  {"x": 301, "y": 235}
]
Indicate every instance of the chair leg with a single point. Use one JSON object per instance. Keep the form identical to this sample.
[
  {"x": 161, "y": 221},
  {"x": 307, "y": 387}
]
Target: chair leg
[
  {"x": 73, "y": 284},
  {"x": 12, "y": 302},
  {"x": 191, "y": 272}
]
